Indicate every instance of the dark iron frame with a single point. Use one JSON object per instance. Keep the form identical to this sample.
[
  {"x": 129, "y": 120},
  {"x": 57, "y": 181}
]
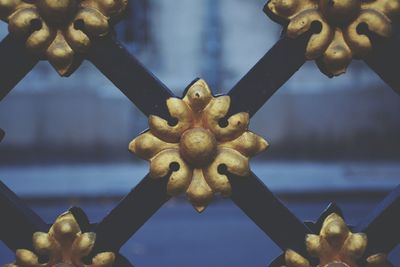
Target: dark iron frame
[{"x": 249, "y": 193}]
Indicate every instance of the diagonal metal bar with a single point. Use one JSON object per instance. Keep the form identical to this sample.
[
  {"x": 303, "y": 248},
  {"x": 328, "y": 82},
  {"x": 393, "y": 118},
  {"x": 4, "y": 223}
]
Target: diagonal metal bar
[
  {"x": 268, "y": 75},
  {"x": 269, "y": 213},
  {"x": 382, "y": 225},
  {"x": 121, "y": 261},
  {"x": 19, "y": 222},
  {"x": 15, "y": 62},
  {"x": 130, "y": 214},
  {"x": 2, "y": 134},
  {"x": 130, "y": 76},
  {"x": 384, "y": 60}
]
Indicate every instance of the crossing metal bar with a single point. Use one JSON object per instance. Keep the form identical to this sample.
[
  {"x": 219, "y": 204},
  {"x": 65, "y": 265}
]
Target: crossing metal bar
[
  {"x": 269, "y": 213},
  {"x": 269, "y": 74},
  {"x": 15, "y": 62},
  {"x": 18, "y": 222},
  {"x": 382, "y": 225},
  {"x": 130, "y": 76},
  {"x": 384, "y": 60},
  {"x": 130, "y": 214}
]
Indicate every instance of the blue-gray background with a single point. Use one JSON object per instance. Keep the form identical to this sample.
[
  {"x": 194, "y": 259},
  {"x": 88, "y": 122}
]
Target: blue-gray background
[{"x": 331, "y": 139}]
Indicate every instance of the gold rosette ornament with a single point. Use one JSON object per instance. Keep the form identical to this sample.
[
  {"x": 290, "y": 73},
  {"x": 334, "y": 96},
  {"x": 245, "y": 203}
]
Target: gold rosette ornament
[
  {"x": 341, "y": 36},
  {"x": 335, "y": 246},
  {"x": 60, "y": 30},
  {"x": 197, "y": 150},
  {"x": 64, "y": 245}
]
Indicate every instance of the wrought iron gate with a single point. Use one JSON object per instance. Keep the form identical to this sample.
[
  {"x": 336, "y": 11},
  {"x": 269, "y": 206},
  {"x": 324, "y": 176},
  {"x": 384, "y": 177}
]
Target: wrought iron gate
[{"x": 332, "y": 32}]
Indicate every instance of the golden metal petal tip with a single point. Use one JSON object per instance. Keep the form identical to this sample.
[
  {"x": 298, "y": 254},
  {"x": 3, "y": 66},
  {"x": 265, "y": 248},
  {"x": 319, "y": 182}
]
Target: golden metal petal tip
[
  {"x": 147, "y": 146},
  {"x": 25, "y": 257},
  {"x": 199, "y": 142},
  {"x": 60, "y": 55},
  {"x": 199, "y": 192},
  {"x": 337, "y": 56},
  {"x": 83, "y": 244},
  {"x": 377, "y": 260},
  {"x": 248, "y": 144},
  {"x": 198, "y": 96},
  {"x": 199, "y": 209},
  {"x": 294, "y": 259},
  {"x": 105, "y": 259},
  {"x": 42, "y": 243}
]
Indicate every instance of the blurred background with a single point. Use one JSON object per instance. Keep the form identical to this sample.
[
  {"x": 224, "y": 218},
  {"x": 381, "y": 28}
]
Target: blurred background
[{"x": 332, "y": 140}]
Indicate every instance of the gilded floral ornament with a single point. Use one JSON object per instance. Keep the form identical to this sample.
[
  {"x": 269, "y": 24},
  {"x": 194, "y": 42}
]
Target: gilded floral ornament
[
  {"x": 64, "y": 245},
  {"x": 335, "y": 246},
  {"x": 341, "y": 38},
  {"x": 60, "y": 30},
  {"x": 195, "y": 151}
]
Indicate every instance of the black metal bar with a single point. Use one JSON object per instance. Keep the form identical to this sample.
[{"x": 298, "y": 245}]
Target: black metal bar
[
  {"x": 15, "y": 62},
  {"x": 269, "y": 213},
  {"x": 385, "y": 60},
  {"x": 382, "y": 225},
  {"x": 121, "y": 261},
  {"x": 268, "y": 75},
  {"x": 19, "y": 222},
  {"x": 130, "y": 214},
  {"x": 130, "y": 76}
]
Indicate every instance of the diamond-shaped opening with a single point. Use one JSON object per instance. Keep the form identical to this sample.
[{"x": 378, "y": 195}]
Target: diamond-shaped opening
[
  {"x": 178, "y": 236},
  {"x": 79, "y": 119}
]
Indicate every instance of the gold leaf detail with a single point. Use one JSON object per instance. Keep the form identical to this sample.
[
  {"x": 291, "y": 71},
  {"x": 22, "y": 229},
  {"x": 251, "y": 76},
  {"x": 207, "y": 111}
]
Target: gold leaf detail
[
  {"x": 193, "y": 151},
  {"x": 339, "y": 40}
]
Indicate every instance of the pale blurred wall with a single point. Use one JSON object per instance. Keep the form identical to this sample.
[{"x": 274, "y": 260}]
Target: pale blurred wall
[{"x": 86, "y": 115}]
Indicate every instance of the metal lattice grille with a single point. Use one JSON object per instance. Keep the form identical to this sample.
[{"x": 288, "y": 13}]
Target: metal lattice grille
[{"x": 249, "y": 193}]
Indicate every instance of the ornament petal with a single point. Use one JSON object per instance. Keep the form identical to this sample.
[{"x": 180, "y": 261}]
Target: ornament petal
[
  {"x": 355, "y": 245},
  {"x": 43, "y": 243},
  {"x": 60, "y": 55},
  {"x": 248, "y": 144},
  {"x": 337, "y": 57},
  {"x": 160, "y": 127},
  {"x": 289, "y": 8},
  {"x": 234, "y": 162},
  {"x": 20, "y": 22},
  {"x": 77, "y": 39},
  {"x": 161, "y": 166},
  {"x": 294, "y": 259},
  {"x": 199, "y": 192},
  {"x": 7, "y": 7},
  {"x": 377, "y": 23},
  {"x": 318, "y": 42},
  {"x": 94, "y": 22},
  {"x": 147, "y": 146},
  {"x": 40, "y": 40},
  {"x": 217, "y": 110},
  {"x": 389, "y": 8},
  {"x": 83, "y": 245},
  {"x": 198, "y": 96},
  {"x": 109, "y": 8},
  {"x": 25, "y": 257},
  {"x": 377, "y": 260},
  {"x": 104, "y": 259}
]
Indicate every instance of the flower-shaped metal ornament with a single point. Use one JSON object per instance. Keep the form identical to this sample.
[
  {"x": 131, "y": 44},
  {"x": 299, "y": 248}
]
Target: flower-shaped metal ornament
[
  {"x": 335, "y": 246},
  {"x": 200, "y": 147},
  {"x": 341, "y": 37},
  {"x": 64, "y": 245},
  {"x": 60, "y": 30}
]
